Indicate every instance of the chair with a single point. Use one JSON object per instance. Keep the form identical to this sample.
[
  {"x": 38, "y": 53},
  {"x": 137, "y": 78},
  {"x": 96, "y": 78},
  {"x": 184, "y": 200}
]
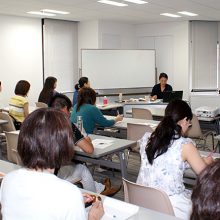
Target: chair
[
  {"x": 195, "y": 132},
  {"x": 142, "y": 113},
  {"x": 12, "y": 153},
  {"x": 136, "y": 131},
  {"x": 147, "y": 197},
  {"x": 10, "y": 125},
  {"x": 41, "y": 105}
]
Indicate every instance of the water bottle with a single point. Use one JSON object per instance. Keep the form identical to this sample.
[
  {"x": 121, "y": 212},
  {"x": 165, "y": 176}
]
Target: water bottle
[
  {"x": 120, "y": 97},
  {"x": 79, "y": 123},
  {"x": 105, "y": 101}
]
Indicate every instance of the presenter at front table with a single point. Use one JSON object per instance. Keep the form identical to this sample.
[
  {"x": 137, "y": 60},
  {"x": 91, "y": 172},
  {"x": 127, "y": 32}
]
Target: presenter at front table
[{"x": 160, "y": 88}]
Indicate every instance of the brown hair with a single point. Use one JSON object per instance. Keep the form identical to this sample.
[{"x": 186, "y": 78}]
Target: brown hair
[
  {"x": 45, "y": 139},
  {"x": 22, "y": 88},
  {"x": 85, "y": 96},
  {"x": 206, "y": 194}
]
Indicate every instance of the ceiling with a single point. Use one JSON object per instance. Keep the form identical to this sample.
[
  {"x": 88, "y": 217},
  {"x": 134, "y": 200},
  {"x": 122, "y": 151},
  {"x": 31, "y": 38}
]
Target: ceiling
[{"x": 81, "y": 10}]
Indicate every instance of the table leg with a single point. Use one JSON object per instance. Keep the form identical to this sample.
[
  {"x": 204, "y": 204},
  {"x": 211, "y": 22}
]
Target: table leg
[{"x": 123, "y": 164}]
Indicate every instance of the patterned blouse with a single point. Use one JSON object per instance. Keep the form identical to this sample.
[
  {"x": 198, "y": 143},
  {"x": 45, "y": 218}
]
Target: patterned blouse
[{"x": 166, "y": 172}]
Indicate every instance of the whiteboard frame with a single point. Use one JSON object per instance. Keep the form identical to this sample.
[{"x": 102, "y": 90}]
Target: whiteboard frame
[{"x": 155, "y": 68}]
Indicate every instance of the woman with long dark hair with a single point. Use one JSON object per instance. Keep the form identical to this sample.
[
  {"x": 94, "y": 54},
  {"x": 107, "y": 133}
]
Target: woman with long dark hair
[
  {"x": 48, "y": 90},
  {"x": 166, "y": 153}
]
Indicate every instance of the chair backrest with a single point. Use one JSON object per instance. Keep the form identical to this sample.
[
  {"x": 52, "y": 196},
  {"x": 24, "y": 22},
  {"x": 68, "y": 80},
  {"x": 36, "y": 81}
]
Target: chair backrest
[
  {"x": 195, "y": 130},
  {"x": 147, "y": 197},
  {"x": 12, "y": 142},
  {"x": 10, "y": 125},
  {"x": 142, "y": 113},
  {"x": 41, "y": 105},
  {"x": 135, "y": 132}
]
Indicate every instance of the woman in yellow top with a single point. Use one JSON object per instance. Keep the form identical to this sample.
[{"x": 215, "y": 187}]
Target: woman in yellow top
[{"x": 18, "y": 105}]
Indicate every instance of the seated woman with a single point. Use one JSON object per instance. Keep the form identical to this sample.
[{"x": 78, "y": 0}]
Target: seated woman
[
  {"x": 166, "y": 153},
  {"x": 48, "y": 90},
  {"x": 83, "y": 82},
  {"x": 77, "y": 170},
  {"x": 206, "y": 194},
  {"x": 159, "y": 89},
  {"x": 34, "y": 192},
  {"x": 91, "y": 115},
  {"x": 18, "y": 105}
]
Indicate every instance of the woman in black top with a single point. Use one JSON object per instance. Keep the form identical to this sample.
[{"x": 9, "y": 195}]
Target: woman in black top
[{"x": 158, "y": 89}]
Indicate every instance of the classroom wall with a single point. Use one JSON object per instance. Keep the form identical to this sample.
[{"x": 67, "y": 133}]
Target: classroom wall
[
  {"x": 20, "y": 56},
  {"x": 61, "y": 52},
  {"x": 179, "y": 33}
]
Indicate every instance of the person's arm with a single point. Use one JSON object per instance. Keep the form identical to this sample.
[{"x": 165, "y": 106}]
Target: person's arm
[
  {"x": 153, "y": 95},
  {"x": 192, "y": 156},
  {"x": 82, "y": 142},
  {"x": 26, "y": 110},
  {"x": 100, "y": 119}
]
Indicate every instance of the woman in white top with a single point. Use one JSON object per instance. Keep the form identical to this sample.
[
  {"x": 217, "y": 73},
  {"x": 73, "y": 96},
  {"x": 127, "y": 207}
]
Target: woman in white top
[
  {"x": 34, "y": 192},
  {"x": 166, "y": 153}
]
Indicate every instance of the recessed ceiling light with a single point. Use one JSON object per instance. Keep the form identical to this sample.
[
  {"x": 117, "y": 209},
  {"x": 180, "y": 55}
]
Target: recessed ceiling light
[
  {"x": 136, "y": 1},
  {"x": 55, "y": 11},
  {"x": 187, "y": 13},
  {"x": 40, "y": 13},
  {"x": 113, "y": 3},
  {"x": 171, "y": 15}
]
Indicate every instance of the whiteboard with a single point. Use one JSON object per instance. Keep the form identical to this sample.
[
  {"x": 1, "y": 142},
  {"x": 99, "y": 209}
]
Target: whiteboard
[{"x": 109, "y": 69}]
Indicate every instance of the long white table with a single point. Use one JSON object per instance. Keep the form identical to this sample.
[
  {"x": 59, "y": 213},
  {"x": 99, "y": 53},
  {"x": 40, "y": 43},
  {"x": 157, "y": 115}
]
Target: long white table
[
  {"x": 117, "y": 146},
  {"x": 119, "y": 129}
]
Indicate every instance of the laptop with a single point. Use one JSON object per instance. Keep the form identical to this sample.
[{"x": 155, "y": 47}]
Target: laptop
[{"x": 169, "y": 96}]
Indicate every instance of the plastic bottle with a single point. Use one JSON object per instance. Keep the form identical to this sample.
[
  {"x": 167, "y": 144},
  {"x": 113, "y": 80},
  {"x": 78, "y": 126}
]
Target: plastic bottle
[
  {"x": 105, "y": 100},
  {"x": 120, "y": 97},
  {"x": 79, "y": 123}
]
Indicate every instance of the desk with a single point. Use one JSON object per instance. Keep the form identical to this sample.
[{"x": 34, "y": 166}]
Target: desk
[
  {"x": 141, "y": 214},
  {"x": 117, "y": 147},
  {"x": 119, "y": 129},
  {"x": 111, "y": 108},
  {"x": 6, "y": 167}
]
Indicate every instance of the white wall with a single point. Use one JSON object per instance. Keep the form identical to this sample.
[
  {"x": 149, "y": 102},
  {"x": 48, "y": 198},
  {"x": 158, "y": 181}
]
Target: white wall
[
  {"x": 88, "y": 37},
  {"x": 61, "y": 52},
  {"x": 116, "y": 35},
  {"x": 179, "y": 31},
  {"x": 20, "y": 56}
]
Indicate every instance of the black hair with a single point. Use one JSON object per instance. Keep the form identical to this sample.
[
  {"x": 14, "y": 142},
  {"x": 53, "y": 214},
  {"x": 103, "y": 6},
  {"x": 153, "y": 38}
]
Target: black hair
[
  {"x": 22, "y": 88},
  {"x": 168, "y": 129},
  {"x": 60, "y": 101},
  {"x": 163, "y": 75},
  {"x": 48, "y": 90},
  {"x": 206, "y": 194},
  {"x": 45, "y": 139},
  {"x": 85, "y": 96}
]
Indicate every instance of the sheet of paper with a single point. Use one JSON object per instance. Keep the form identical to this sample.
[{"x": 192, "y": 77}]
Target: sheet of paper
[{"x": 102, "y": 143}]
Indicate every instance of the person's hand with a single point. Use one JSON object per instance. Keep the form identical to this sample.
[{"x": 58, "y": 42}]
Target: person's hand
[
  {"x": 87, "y": 198},
  {"x": 208, "y": 160},
  {"x": 153, "y": 97},
  {"x": 97, "y": 211},
  {"x": 88, "y": 139},
  {"x": 119, "y": 118}
]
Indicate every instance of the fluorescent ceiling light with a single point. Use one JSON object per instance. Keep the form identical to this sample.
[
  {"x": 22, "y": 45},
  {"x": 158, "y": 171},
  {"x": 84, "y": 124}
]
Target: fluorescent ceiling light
[
  {"x": 113, "y": 3},
  {"x": 55, "y": 11},
  {"x": 170, "y": 15},
  {"x": 187, "y": 13},
  {"x": 137, "y": 1},
  {"x": 41, "y": 13}
]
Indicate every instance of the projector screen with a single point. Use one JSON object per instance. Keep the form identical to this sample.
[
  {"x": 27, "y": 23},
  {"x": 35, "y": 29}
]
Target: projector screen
[{"x": 110, "y": 69}]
